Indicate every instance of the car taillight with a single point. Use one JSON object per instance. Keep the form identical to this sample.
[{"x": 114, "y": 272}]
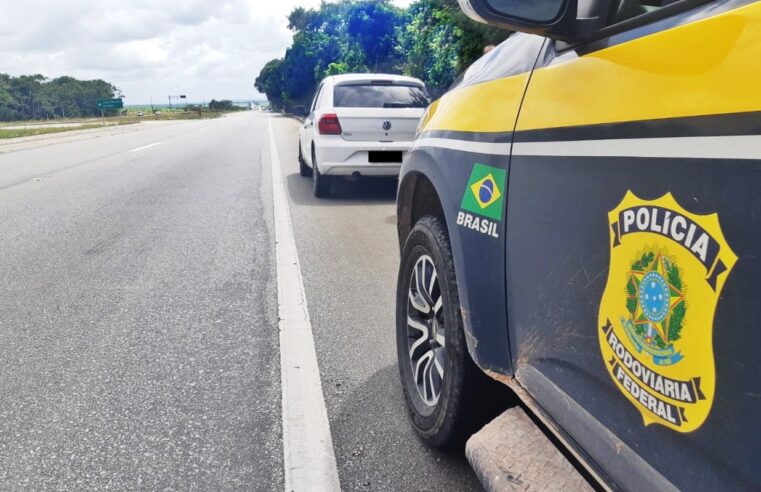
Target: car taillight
[{"x": 329, "y": 125}]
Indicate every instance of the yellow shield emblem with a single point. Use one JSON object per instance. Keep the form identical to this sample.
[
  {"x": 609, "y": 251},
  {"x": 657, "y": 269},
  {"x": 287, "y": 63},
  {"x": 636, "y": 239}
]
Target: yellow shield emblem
[{"x": 667, "y": 270}]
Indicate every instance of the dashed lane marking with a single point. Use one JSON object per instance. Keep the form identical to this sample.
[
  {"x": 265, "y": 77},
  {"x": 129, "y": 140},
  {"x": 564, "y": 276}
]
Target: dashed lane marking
[{"x": 146, "y": 147}]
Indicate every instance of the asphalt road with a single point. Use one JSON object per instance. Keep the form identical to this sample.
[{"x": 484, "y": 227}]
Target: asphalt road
[{"x": 138, "y": 319}]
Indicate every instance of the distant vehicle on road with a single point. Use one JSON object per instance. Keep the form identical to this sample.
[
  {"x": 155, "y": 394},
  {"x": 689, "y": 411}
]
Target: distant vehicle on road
[
  {"x": 359, "y": 124},
  {"x": 580, "y": 219}
]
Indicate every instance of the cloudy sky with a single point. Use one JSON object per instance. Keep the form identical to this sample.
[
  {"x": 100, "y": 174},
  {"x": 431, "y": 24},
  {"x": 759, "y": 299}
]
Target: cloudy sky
[{"x": 203, "y": 48}]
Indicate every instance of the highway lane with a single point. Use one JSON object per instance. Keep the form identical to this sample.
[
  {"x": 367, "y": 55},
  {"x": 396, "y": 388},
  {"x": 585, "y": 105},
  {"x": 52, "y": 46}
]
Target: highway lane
[
  {"x": 138, "y": 340},
  {"x": 349, "y": 257},
  {"x": 49, "y": 154},
  {"x": 138, "y": 320}
]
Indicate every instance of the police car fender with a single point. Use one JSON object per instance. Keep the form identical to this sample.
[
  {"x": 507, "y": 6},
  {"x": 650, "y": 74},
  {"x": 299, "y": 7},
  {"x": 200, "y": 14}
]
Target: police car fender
[{"x": 470, "y": 226}]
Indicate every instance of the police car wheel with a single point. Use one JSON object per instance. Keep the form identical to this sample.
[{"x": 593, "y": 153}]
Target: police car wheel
[
  {"x": 439, "y": 379},
  {"x": 320, "y": 184},
  {"x": 304, "y": 170}
]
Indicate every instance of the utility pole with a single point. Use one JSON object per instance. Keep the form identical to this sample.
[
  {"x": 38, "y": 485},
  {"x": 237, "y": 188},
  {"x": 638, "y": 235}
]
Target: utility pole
[
  {"x": 151, "y": 104},
  {"x": 170, "y": 103}
]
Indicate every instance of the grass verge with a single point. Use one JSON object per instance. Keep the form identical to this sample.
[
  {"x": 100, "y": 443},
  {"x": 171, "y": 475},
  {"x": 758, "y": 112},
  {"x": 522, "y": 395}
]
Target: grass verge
[
  {"x": 31, "y": 128},
  {"x": 177, "y": 115},
  {"x": 30, "y": 132}
]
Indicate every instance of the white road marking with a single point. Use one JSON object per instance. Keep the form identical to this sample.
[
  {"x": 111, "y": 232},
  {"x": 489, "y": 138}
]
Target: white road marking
[
  {"x": 309, "y": 459},
  {"x": 146, "y": 147},
  {"x": 204, "y": 128}
]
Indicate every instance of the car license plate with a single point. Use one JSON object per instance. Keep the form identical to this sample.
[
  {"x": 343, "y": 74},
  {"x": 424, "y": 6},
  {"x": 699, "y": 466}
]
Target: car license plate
[{"x": 385, "y": 156}]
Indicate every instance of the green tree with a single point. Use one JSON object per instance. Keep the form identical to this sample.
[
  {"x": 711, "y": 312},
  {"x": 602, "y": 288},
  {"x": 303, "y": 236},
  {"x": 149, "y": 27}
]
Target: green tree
[
  {"x": 270, "y": 83},
  {"x": 34, "y": 96},
  {"x": 440, "y": 42},
  {"x": 8, "y": 104},
  {"x": 431, "y": 40},
  {"x": 223, "y": 105},
  {"x": 304, "y": 65},
  {"x": 26, "y": 93},
  {"x": 375, "y": 27}
]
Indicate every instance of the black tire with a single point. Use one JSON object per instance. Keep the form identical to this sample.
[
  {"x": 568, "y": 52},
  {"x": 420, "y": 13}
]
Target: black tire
[
  {"x": 320, "y": 184},
  {"x": 462, "y": 406},
  {"x": 304, "y": 169}
]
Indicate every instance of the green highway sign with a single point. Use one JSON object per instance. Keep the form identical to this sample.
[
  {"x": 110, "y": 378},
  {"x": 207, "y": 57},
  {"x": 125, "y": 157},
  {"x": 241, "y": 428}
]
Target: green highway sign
[{"x": 110, "y": 104}]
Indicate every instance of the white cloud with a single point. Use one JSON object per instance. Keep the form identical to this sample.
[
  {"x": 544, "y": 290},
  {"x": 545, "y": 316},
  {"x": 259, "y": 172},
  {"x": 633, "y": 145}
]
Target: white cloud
[{"x": 203, "y": 48}]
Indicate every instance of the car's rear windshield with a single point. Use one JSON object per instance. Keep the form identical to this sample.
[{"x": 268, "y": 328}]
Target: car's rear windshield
[{"x": 380, "y": 96}]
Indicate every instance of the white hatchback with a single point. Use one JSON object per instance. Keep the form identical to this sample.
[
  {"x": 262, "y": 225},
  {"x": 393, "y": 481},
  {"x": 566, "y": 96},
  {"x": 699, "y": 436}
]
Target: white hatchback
[{"x": 360, "y": 124}]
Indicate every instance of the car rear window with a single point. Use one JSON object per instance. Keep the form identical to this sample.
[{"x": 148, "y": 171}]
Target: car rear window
[{"x": 380, "y": 96}]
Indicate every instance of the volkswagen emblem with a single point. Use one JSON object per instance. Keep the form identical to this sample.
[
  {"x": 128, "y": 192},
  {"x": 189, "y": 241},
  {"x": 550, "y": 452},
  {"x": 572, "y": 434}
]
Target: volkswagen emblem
[{"x": 387, "y": 125}]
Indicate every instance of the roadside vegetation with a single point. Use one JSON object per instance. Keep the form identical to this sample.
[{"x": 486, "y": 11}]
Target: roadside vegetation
[
  {"x": 37, "y": 100},
  {"x": 431, "y": 40},
  {"x": 127, "y": 116},
  {"x": 162, "y": 114},
  {"x": 32, "y": 97},
  {"x": 33, "y": 130},
  {"x": 214, "y": 109}
]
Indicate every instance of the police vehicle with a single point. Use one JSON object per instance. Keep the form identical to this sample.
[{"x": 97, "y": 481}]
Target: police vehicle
[{"x": 580, "y": 220}]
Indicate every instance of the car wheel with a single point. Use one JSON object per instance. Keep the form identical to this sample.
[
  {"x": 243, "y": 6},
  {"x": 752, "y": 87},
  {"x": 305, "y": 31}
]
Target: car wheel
[
  {"x": 304, "y": 170},
  {"x": 320, "y": 184},
  {"x": 442, "y": 385}
]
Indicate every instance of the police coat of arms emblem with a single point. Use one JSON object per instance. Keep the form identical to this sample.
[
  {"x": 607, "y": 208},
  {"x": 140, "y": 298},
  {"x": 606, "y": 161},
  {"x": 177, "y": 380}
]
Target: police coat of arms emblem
[{"x": 667, "y": 270}]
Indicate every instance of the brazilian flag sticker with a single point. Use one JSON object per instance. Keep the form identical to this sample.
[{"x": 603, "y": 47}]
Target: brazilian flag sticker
[{"x": 485, "y": 192}]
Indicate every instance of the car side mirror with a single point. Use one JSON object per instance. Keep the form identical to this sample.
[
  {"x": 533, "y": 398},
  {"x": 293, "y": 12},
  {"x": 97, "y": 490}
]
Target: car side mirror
[{"x": 564, "y": 20}]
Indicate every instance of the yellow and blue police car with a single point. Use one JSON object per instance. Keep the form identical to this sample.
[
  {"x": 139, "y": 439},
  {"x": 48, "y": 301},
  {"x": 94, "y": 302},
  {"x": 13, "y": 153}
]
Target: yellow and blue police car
[{"x": 580, "y": 220}]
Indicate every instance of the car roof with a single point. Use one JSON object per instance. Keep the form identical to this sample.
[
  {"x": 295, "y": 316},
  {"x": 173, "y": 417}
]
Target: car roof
[{"x": 368, "y": 77}]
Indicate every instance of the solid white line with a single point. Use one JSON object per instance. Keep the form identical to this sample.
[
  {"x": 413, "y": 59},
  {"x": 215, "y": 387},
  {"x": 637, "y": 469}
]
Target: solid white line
[
  {"x": 728, "y": 147},
  {"x": 146, "y": 147},
  {"x": 488, "y": 148},
  {"x": 309, "y": 459}
]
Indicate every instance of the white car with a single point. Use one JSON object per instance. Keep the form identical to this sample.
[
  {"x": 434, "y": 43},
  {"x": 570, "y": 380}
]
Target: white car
[{"x": 360, "y": 124}]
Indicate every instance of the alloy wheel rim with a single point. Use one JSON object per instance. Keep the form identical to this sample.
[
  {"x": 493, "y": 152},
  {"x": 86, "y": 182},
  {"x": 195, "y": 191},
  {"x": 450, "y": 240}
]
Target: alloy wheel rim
[{"x": 426, "y": 330}]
